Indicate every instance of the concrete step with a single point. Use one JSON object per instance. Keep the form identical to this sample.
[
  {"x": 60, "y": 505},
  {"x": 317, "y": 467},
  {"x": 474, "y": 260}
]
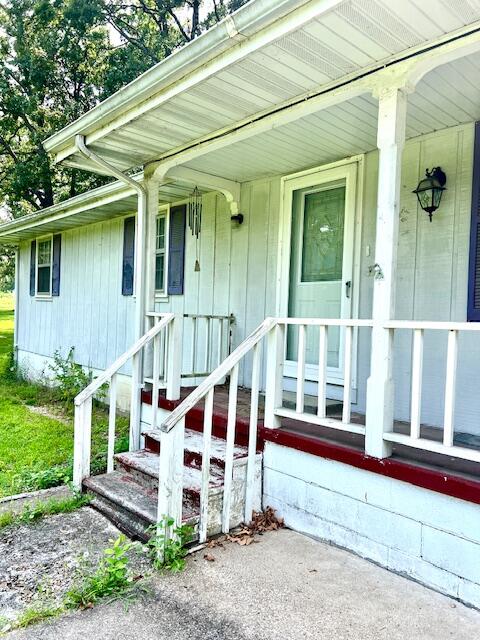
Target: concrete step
[
  {"x": 194, "y": 448},
  {"x": 143, "y": 466},
  {"x": 129, "y": 505}
]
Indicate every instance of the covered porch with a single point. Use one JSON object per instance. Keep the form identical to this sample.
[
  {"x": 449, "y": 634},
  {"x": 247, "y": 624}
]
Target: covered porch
[{"x": 380, "y": 327}]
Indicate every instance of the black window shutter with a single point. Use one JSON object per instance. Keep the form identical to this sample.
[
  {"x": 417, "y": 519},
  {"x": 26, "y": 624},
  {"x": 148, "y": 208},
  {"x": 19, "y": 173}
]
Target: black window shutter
[
  {"x": 33, "y": 260},
  {"x": 473, "y": 310},
  {"x": 57, "y": 254},
  {"x": 176, "y": 249},
  {"x": 128, "y": 256}
]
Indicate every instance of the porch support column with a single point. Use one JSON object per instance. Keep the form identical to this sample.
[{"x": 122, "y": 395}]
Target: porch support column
[{"x": 380, "y": 392}]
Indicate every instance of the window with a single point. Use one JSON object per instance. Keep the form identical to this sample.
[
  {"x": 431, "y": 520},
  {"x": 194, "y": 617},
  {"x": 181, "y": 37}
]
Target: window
[
  {"x": 160, "y": 252},
  {"x": 44, "y": 267}
]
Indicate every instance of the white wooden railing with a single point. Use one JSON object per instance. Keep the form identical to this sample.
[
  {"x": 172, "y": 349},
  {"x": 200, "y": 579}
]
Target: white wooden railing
[
  {"x": 173, "y": 428},
  {"x": 414, "y": 437},
  {"x": 209, "y": 343},
  {"x": 163, "y": 328},
  {"x": 274, "y": 409},
  {"x": 205, "y": 340},
  {"x": 274, "y": 331}
]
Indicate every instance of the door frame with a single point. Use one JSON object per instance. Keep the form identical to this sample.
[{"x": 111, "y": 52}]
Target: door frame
[{"x": 352, "y": 262}]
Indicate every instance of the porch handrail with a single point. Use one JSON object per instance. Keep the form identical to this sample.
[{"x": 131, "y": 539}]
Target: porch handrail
[
  {"x": 219, "y": 374},
  {"x": 104, "y": 377},
  {"x": 84, "y": 403}
]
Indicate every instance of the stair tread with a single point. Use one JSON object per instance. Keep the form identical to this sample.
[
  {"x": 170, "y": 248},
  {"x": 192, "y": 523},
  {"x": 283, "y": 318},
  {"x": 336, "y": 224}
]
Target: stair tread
[
  {"x": 194, "y": 444},
  {"x": 120, "y": 488},
  {"x": 147, "y": 462}
]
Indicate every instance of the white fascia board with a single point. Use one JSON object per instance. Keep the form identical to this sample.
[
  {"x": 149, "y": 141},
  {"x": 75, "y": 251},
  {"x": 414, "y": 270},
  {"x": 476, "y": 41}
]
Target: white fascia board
[
  {"x": 248, "y": 29},
  {"x": 78, "y": 204}
]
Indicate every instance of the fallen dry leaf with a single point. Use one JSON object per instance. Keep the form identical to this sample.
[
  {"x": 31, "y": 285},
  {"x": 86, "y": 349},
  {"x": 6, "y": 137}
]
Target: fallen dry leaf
[
  {"x": 261, "y": 522},
  {"x": 209, "y": 557}
]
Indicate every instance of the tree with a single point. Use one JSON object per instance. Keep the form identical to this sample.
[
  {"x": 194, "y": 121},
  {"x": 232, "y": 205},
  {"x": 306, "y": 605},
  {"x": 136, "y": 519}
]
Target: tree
[
  {"x": 53, "y": 55},
  {"x": 150, "y": 30},
  {"x": 57, "y": 61}
]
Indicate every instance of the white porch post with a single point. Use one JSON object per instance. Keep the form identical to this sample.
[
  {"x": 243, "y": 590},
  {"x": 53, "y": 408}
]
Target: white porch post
[{"x": 380, "y": 392}]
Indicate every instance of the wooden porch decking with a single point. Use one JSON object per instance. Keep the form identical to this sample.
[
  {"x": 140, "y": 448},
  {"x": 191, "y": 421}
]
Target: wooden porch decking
[{"x": 342, "y": 445}]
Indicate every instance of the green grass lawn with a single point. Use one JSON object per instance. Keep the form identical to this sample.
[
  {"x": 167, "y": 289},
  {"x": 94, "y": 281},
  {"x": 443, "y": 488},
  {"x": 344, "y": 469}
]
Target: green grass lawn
[{"x": 31, "y": 443}]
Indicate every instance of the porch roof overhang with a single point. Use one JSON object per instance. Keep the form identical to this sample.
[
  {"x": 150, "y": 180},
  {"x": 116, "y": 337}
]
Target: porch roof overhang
[
  {"x": 288, "y": 84},
  {"x": 110, "y": 201}
]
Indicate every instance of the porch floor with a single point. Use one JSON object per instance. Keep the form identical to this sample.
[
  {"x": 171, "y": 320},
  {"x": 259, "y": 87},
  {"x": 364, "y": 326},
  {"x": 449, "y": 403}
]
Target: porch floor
[{"x": 308, "y": 432}]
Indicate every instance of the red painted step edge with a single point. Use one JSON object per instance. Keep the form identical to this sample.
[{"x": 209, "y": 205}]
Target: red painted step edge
[
  {"x": 440, "y": 481},
  {"x": 194, "y": 420}
]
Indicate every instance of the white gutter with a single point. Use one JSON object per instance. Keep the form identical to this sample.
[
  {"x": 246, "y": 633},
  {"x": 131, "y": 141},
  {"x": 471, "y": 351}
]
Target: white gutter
[
  {"x": 242, "y": 24},
  {"x": 139, "y": 279}
]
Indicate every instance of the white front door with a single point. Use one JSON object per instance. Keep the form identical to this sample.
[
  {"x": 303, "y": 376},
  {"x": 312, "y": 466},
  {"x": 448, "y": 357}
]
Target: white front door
[{"x": 320, "y": 278}]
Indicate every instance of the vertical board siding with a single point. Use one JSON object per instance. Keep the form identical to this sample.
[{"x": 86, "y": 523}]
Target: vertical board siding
[
  {"x": 90, "y": 313},
  {"x": 238, "y": 274}
]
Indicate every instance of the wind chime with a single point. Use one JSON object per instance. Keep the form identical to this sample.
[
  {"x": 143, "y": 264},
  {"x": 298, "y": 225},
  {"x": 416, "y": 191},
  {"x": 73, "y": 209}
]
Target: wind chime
[{"x": 195, "y": 220}]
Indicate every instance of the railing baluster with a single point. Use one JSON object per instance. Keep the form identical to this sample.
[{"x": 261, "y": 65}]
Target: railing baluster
[
  {"x": 112, "y": 416},
  {"x": 220, "y": 343},
  {"x": 134, "y": 440},
  {"x": 207, "y": 445},
  {"x": 194, "y": 345},
  {"x": 300, "y": 400},
  {"x": 252, "y": 432},
  {"x": 347, "y": 370},
  {"x": 231, "y": 424},
  {"x": 156, "y": 379},
  {"x": 416, "y": 391},
  {"x": 322, "y": 372},
  {"x": 451, "y": 376},
  {"x": 207, "y": 346}
]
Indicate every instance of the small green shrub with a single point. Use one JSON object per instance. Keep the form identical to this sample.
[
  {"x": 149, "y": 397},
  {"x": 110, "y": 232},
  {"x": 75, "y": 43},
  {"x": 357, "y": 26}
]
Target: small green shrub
[
  {"x": 169, "y": 552},
  {"x": 112, "y": 579},
  {"x": 36, "y": 613},
  {"x": 70, "y": 377},
  {"x": 10, "y": 371},
  {"x": 32, "y": 480}
]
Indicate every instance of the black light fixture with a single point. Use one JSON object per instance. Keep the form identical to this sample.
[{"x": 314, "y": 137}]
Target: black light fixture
[
  {"x": 430, "y": 189},
  {"x": 238, "y": 218}
]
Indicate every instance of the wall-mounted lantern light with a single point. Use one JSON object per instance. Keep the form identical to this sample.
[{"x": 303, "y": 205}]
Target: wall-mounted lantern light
[{"x": 430, "y": 189}]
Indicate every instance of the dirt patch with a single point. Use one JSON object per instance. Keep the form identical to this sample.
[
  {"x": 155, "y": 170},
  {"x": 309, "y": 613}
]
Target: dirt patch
[
  {"x": 49, "y": 412},
  {"x": 39, "y": 562}
]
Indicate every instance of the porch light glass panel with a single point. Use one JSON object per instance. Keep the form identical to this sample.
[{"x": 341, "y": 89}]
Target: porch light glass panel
[
  {"x": 44, "y": 266},
  {"x": 160, "y": 254},
  {"x": 318, "y": 223}
]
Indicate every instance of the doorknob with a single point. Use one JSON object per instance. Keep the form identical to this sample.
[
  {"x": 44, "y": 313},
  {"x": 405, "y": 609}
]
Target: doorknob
[{"x": 348, "y": 288}]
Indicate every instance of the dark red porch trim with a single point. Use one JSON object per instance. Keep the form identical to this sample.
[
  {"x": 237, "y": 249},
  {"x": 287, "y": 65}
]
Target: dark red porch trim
[{"x": 441, "y": 481}]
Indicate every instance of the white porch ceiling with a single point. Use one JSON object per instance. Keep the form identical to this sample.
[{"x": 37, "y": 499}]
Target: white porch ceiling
[
  {"x": 347, "y": 39},
  {"x": 446, "y": 97}
]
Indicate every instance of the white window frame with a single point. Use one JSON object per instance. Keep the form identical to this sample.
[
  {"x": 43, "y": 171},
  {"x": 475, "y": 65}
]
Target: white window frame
[
  {"x": 163, "y": 212},
  {"x": 43, "y": 294}
]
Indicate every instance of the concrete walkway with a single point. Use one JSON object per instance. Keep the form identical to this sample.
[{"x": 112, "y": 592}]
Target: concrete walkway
[{"x": 286, "y": 586}]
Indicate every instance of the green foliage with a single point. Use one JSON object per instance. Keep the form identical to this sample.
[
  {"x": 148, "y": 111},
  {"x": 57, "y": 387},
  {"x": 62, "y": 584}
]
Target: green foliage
[
  {"x": 7, "y": 269},
  {"x": 35, "y": 613},
  {"x": 70, "y": 377},
  {"x": 40, "y": 509},
  {"x": 112, "y": 579},
  {"x": 32, "y": 480},
  {"x": 167, "y": 545}
]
